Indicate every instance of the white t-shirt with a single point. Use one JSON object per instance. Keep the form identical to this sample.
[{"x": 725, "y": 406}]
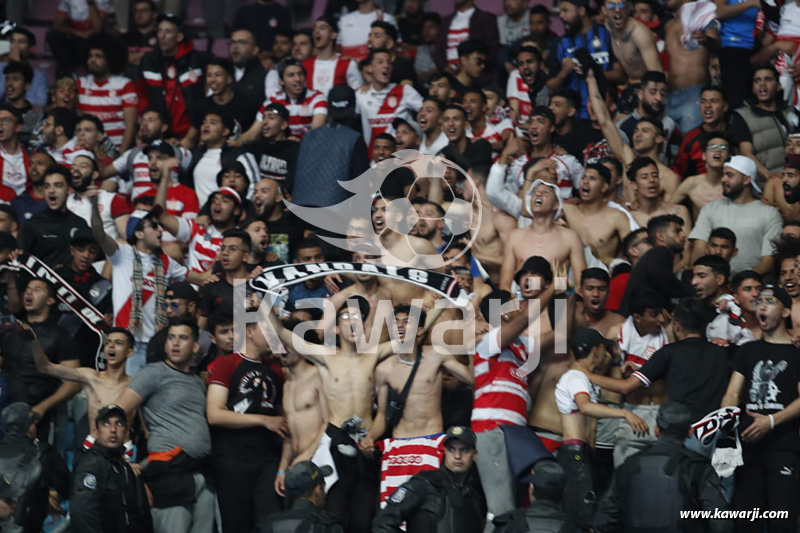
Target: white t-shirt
[
  {"x": 457, "y": 33},
  {"x": 437, "y": 146},
  {"x": 572, "y": 384},
  {"x": 379, "y": 108},
  {"x": 354, "y": 30},
  {"x": 110, "y": 205},
  {"x": 323, "y": 73},
  {"x": 638, "y": 349},
  {"x": 14, "y": 173}
]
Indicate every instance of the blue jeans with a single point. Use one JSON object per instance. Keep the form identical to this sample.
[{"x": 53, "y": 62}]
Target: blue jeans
[
  {"x": 138, "y": 360},
  {"x": 684, "y": 107}
]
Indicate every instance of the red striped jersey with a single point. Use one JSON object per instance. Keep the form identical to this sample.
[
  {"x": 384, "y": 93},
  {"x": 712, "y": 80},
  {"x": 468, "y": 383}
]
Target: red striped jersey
[
  {"x": 501, "y": 393},
  {"x": 324, "y": 74},
  {"x": 204, "y": 243},
  {"x": 122, "y": 287},
  {"x": 61, "y": 154},
  {"x": 457, "y": 33},
  {"x": 402, "y": 459},
  {"x": 379, "y": 108},
  {"x": 636, "y": 348},
  {"x": 109, "y": 204},
  {"x": 517, "y": 89},
  {"x": 354, "y": 30},
  {"x": 107, "y": 100},
  {"x": 301, "y": 112},
  {"x": 77, "y": 11},
  {"x": 14, "y": 169},
  {"x": 134, "y": 169}
]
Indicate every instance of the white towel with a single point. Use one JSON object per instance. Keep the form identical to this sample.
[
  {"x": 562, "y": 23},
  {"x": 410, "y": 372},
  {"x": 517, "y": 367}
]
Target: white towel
[{"x": 697, "y": 16}]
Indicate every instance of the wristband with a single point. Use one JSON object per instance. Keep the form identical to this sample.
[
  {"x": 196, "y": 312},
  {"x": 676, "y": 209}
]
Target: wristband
[
  {"x": 281, "y": 473},
  {"x": 771, "y": 422}
]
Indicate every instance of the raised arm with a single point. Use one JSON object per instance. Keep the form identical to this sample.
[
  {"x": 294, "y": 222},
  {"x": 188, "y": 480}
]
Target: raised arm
[
  {"x": 60, "y": 371},
  {"x": 169, "y": 222},
  {"x": 617, "y": 146},
  {"x": 312, "y": 352},
  {"x": 461, "y": 371},
  {"x": 105, "y": 241}
]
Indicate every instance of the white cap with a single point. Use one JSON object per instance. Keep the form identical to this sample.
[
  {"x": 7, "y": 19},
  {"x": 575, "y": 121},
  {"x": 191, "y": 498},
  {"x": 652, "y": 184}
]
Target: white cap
[
  {"x": 555, "y": 189},
  {"x": 746, "y": 166}
]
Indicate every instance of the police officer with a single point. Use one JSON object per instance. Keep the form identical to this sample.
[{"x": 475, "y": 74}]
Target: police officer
[
  {"x": 36, "y": 474},
  {"x": 439, "y": 501},
  {"x": 305, "y": 482},
  {"x": 546, "y": 485},
  {"x": 106, "y": 493},
  {"x": 650, "y": 489}
]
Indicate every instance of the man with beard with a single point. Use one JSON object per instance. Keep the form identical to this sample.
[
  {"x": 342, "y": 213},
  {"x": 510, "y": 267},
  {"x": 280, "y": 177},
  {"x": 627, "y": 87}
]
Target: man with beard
[
  {"x": 48, "y": 234},
  {"x": 714, "y": 110},
  {"x": 785, "y": 194},
  {"x": 580, "y": 33},
  {"x": 130, "y": 172},
  {"x": 632, "y": 43},
  {"x": 268, "y": 201},
  {"x": 759, "y": 128},
  {"x": 114, "y": 210},
  {"x": 327, "y": 69},
  {"x": 213, "y": 154},
  {"x": 651, "y": 95},
  {"x": 526, "y": 80},
  {"x": 275, "y": 155},
  {"x": 648, "y": 137},
  {"x": 442, "y": 87},
  {"x": 769, "y": 371},
  {"x": 600, "y": 227},
  {"x": 105, "y": 94},
  {"x": 755, "y": 224},
  {"x": 248, "y": 72},
  {"x": 14, "y": 156},
  {"x": 32, "y": 202},
  {"x": 572, "y": 134},
  {"x": 705, "y": 188},
  {"x": 259, "y": 237},
  {"x": 429, "y": 119},
  {"x": 430, "y": 224},
  {"x": 655, "y": 270}
]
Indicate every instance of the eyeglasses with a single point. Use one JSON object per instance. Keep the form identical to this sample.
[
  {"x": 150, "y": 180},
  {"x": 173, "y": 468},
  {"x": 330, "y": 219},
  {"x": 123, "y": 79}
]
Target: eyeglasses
[
  {"x": 640, "y": 241},
  {"x": 8, "y": 120},
  {"x": 768, "y": 300},
  {"x": 171, "y": 305},
  {"x": 348, "y": 316},
  {"x": 713, "y": 147},
  {"x": 619, "y": 5}
]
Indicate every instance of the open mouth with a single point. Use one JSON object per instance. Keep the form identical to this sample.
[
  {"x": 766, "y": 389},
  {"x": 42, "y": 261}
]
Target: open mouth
[
  {"x": 379, "y": 223},
  {"x": 534, "y": 136},
  {"x": 28, "y": 302},
  {"x": 708, "y": 114},
  {"x": 538, "y": 202},
  {"x": 423, "y": 121},
  {"x": 762, "y": 319}
]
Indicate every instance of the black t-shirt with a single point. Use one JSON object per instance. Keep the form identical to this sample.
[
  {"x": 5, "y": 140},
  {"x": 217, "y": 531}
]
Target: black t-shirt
[
  {"x": 576, "y": 141},
  {"x": 284, "y": 233},
  {"x": 24, "y": 382},
  {"x": 403, "y": 69},
  {"x": 277, "y": 160},
  {"x": 242, "y": 109},
  {"x": 254, "y": 387},
  {"x": 771, "y": 373},
  {"x": 411, "y": 32},
  {"x": 696, "y": 372}
]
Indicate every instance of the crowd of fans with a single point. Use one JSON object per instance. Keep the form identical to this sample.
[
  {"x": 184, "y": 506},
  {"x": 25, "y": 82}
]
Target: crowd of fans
[{"x": 630, "y": 345}]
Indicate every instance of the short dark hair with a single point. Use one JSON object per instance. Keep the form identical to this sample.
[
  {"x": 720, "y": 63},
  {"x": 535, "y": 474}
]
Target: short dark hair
[
  {"x": 94, "y": 120},
  {"x": 714, "y": 88},
  {"x": 28, "y": 34},
  {"x": 51, "y": 289},
  {"x": 472, "y": 46},
  {"x": 723, "y": 233},
  {"x": 612, "y": 161},
  {"x": 285, "y": 31},
  {"x": 386, "y": 137},
  {"x": 376, "y": 51},
  {"x": 438, "y": 103},
  {"x": 572, "y": 97},
  {"x": 543, "y": 111},
  {"x": 475, "y": 90},
  {"x": 362, "y": 304},
  {"x": 653, "y": 76},
  {"x": 765, "y": 66},
  {"x": 305, "y": 244},
  {"x": 605, "y": 174},
  {"x": 432, "y": 16},
  {"x": 55, "y": 168},
  {"x": 643, "y": 299},
  {"x": 236, "y": 233},
  {"x": 529, "y": 50},
  {"x": 17, "y": 67},
  {"x": 744, "y": 275},
  {"x": 66, "y": 118},
  {"x": 125, "y": 331},
  {"x": 627, "y": 242},
  {"x": 595, "y": 273},
  {"x": 540, "y": 9},
  {"x": 287, "y": 62},
  {"x": 716, "y": 135},
  {"x": 656, "y": 122},
  {"x": 405, "y": 309},
  {"x": 638, "y": 164},
  {"x": 187, "y": 322},
  {"x": 10, "y": 211},
  {"x": 457, "y": 107},
  {"x": 223, "y": 63},
  {"x": 220, "y": 317},
  {"x": 443, "y": 74},
  {"x": 717, "y": 265},
  {"x": 485, "y": 306},
  {"x": 693, "y": 315},
  {"x": 389, "y": 29},
  {"x": 150, "y": 3},
  {"x": 661, "y": 223}
]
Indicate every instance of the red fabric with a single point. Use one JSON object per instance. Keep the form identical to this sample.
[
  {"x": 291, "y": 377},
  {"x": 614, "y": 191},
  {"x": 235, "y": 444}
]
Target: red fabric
[{"x": 616, "y": 290}]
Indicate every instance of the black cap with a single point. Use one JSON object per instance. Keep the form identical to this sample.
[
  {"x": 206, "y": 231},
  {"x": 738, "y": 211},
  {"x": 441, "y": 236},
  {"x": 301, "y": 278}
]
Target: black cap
[
  {"x": 86, "y": 237},
  {"x": 462, "y": 433},
  {"x": 674, "y": 417},
  {"x": 163, "y": 147},
  {"x": 110, "y": 410},
  {"x": 235, "y": 166},
  {"x": 535, "y": 264},
  {"x": 304, "y": 476},
  {"x": 7, "y": 241},
  {"x": 170, "y": 17},
  {"x": 341, "y": 102},
  {"x": 278, "y": 109},
  {"x": 545, "y": 474},
  {"x": 181, "y": 289},
  {"x": 585, "y": 339},
  {"x": 18, "y": 416},
  {"x": 779, "y": 293}
]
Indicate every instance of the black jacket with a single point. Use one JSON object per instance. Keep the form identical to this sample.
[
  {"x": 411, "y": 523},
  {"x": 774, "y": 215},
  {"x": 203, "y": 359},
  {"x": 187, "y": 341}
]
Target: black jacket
[
  {"x": 654, "y": 271},
  {"x": 433, "y": 502},
  {"x": 48, "y": 235},
  {"x": 252, "y": 82},
  {"x": 303, "y": 517},
  {"x": 543, "y": 516},
  {"x": 106, "y": 494},
  {"x": 675, "y": 477}
]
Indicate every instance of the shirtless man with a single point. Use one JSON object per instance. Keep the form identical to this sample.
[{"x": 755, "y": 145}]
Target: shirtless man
[
  {"x": 688, "y": 69},
  {"x": 706, "y": 188},
  {"x": 543, "y": 238},
  {"x": 577, "y": 400},
  {"x": 306, "y": 413},
  {"x": 594, "y": 293},
  {"x": 488, "y": 245},
  {"x": 600, "y": 227},
  {"x": 420, "y": 423},
  {"x": 645, "y": 178},
  {"x": 647, "y": 138},
  {"x": 632, "y": 42},
  {"x": 785, "y": 193},
  {"x": 102, "y": 388},
  {"x": 639, "y": 337}
]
